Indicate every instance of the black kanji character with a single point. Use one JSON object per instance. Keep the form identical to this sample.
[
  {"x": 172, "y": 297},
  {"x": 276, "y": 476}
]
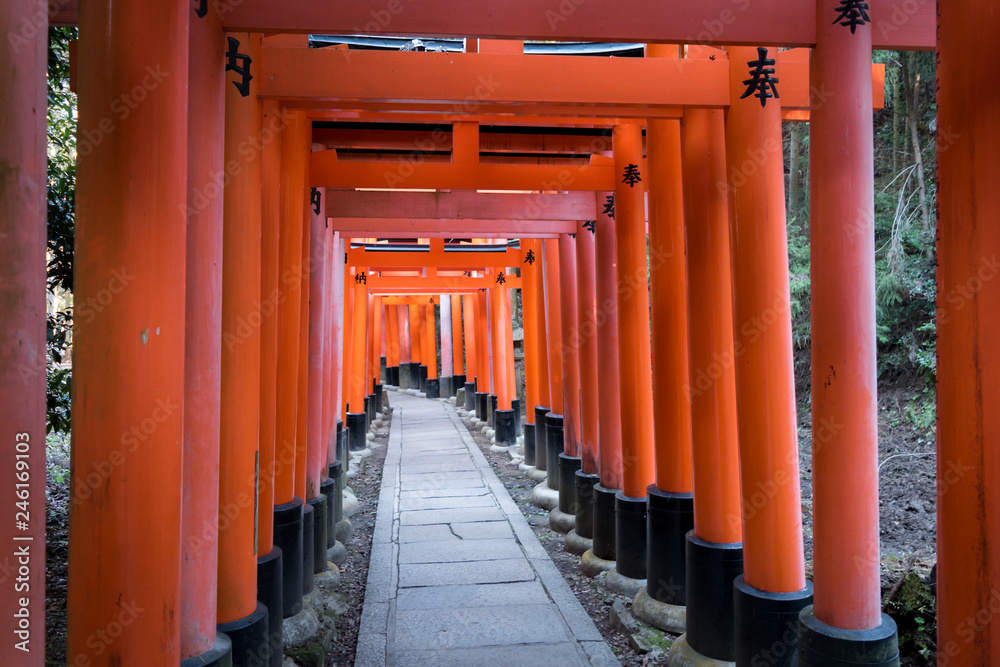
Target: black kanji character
[
  {"x": 852, "y": 13},
  {"x": 501, "y": 278},
  {"x": 239, "y": 63},
  {"x": 631, "y": 175},
  {"x": 314, "y": 200},
  {"x": 761, "y": 84},
  {"x": 202, "y": 9},
  {"x": 529, "y": 258},
  {"x": 591, "y": 225},
  {"x": 360, "y": 278},
  {"x": 609, "y": 206}
]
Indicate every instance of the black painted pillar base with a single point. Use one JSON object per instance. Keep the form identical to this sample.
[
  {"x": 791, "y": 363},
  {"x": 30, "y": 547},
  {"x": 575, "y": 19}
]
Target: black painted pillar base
[
  {"x": 481, "y": 402},
  {"x": 822, "y": 644},
  {"x": 630, "y": 536},
  {"x": 270, "y": 593},
  {"x": 766, "y": 624},
  {"x": 336, "y": 471},
  {"x": 382, "y": 368},
  {"x": 356, "y": 431},
  {"x": 505, "y": 428},
  {"x": 585, "y": 484},
  {"x": 368, "y": 412},
  {"x": 457, "y": 382},
  {"x": 605, "y": 523},
  {"x": 711, "y": 570},
  {"x": 529, "y": 444},
  {"x": 378, "y": 399},
  {"x": 321, "y": 532},
  {"x": 515, "y": 405},
  {"x": 568, "y": 467},
  {"x": 341, "y": 442},
  {"x": 308, "y": 547},
  {"x": 220, "y": 655},
  {"x": 470, "y": 396},
  {"x": 288, "y": 537},
  {"x": 491, "y": 409},
  {"x": 432, "y": 388},
  {"x": 249, "y": 638},
  {"x": 395, "y": 376},
  {"x": 541, "y": 438},
  {"x": 328, "y": 488},
  {"x": 447, "y": 386},
  {"x": 404, "y": 375},
  {"x": 669, "y": 518},
  {"x": 422, "y": 377},
  {"x": 553, "y": 447}
]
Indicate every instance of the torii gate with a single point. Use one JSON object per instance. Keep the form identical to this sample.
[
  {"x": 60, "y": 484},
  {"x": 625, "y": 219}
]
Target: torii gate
[{"x": 139, "y": 226}]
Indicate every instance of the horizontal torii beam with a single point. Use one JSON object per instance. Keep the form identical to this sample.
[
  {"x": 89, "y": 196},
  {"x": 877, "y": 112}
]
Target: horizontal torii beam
[
  {"x": 409, "y": 228},
  {"x": 346, "y": 204},
  {"x": 437, "y": 284},
  {"x": 451, "y": 259},
  {"x": 475, "y": 82},
  {"x": 498, "y": 118}
]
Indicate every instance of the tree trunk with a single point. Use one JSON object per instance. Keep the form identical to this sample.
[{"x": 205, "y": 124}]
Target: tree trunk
[
  {"x": 793, "y": 167},
  {"x": 897, "y": 114},
  {"x": 912, "y": 96}
]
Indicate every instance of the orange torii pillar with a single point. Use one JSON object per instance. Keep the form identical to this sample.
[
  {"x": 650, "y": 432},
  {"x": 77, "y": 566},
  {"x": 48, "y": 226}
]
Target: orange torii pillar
[
  {"x": 553, "y": 337},
  {"x": 23, "y": 341},
  {"x": 530, "y": 265},
  {"x": 542, "y": 390},
  {"x": 602, "y": 556},
  {"x": 447, "y": 352},
  {"x": 416, "y": 346},
  {"x": 392, "y": 345},
  {"x": 316, "y": 440},
  {"x": 458, "y": 358},
  {"x": 338, "y": 454},
  {"x": 432, "y": 387},
  {"x": 241, "y": 616},
  {"x": 482, "y": 356},
  {"x": 504, "y": 420},
  {"x": 714, "y": 546},
  {"x": 968, "y": 364},
  {"x": 670, "y": 505},
  {"x": 328, "y": 447},
  {"x": 383, "y": 344},
  {"x": 490, "y": 309},
  {"x": 371, "y": 354},
  {"x": 562, "y": 518},
  {"x": 846, "y": 622},
  {"x": 302, "y": 406},
  {"x": 580, "y": 539},
  {"x": 288, "y": 505},
  {"x": 405, "y": 359},
  {"x": 773, "y": 588},
  {"x": 202, "y": 351},
  {"x": 128, "y": 385},
  {"x": 471, "y": 358},
  {"x": 356, "y": 387},
  {"x": 270, "y": 558},
  {"x": 348, "y": 351},
  {"x": 633, "y": 354},
  {"x": 375, "y": 362}
]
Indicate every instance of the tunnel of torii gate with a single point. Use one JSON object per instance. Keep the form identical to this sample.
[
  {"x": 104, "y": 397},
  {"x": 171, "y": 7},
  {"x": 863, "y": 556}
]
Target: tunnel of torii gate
[{"x": 291, "y": 218}]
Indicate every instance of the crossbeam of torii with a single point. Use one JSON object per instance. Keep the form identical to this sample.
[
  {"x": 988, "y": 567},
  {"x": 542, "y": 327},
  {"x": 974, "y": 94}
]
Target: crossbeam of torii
[{"x": 899, "y": 24}]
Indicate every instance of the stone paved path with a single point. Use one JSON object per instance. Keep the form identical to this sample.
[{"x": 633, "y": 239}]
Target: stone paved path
[{"x": 457, "y": 577}]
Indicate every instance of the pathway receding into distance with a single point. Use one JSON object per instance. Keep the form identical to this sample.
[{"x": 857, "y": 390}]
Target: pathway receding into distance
[{"x": 457, "y": 577}]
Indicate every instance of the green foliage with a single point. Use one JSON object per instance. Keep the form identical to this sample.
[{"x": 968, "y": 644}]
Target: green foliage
[
  {"x": 914, "y": 611},
  {"x": 61, "y": 225}
]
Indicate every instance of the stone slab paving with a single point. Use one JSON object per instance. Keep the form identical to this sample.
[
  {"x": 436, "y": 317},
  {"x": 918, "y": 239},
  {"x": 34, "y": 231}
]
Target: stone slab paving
[{"x": 457, "y": 577}]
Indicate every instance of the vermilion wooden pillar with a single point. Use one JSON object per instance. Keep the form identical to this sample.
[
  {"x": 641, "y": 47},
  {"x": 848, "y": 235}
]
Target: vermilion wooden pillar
[
  {"x": 543, "y": 403},
  {"x": 714, "y": 547},
  {"x": 586, "y": 331},
  {"x": 302, "y": 403},
  {"x": 375, "y": 370},
  {"x": 633, "y": 352},
  {"x": 844, "y": 391},
  {"x": 202, "y": 346},
  {"x": 968, "y": 410},
  {"x": 469, "y": 338},
  {"x": 553, "y": 323},
  {"x": 128, "y": 384},
  {"x": 483, "y": 344},
  {"x": 348, "y": 348},
  {"x": 769, "y": 461},
  {"x": 337, "y": 330},
  {"x": 432, "y": 386},
  {"x": 416, "y": 343},
  {"x": 288, "y": 501},
  {"x": 318, "y": 305},
  {"x": 458, "y": 356},
  {"x": 402, "y": 317},
  {"x": 447, "y": 345},
  {"x": 571, "y": 344},
  {"x": 240, "y": 408},
  {"x": 373, "y": 348},
  {"x": 670, "y": 504},
  {"x": 356, "y": 416},
  {"x": 530, "y": 269},
  {"x": 22, "y": 327}
]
